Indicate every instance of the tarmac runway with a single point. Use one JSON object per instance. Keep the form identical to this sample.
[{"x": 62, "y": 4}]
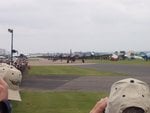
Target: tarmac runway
[{"x": 86, "y": 83}]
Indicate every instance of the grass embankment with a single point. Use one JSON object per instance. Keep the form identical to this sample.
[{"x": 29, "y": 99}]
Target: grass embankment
[
  {"x": 67, "y": 70},
  {"x": 57, "y": 102}
]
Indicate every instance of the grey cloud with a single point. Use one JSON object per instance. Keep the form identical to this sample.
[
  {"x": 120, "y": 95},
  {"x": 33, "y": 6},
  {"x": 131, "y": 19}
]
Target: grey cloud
[{"x": 78, "y": 24}]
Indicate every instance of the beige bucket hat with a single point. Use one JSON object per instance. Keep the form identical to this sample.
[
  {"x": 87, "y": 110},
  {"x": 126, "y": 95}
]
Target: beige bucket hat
[
  {"x": 12, "y": 77},
  {"x": 128, "y": 93}
]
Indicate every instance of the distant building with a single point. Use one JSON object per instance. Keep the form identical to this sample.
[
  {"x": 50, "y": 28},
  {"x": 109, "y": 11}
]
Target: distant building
[{"x": 3, "y": 52}]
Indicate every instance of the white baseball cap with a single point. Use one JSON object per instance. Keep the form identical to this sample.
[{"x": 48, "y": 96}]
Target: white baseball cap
[
  {"x": 128, "y": 93},
  {"x": 12, "y": 77}
]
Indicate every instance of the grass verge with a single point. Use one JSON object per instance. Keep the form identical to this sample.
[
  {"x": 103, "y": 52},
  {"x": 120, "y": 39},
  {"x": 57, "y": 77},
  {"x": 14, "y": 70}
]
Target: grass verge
[
  {"x": 56, "y": 102},
  {"x": 67, "y": 70},
  {"x": 130, "y": 62}
]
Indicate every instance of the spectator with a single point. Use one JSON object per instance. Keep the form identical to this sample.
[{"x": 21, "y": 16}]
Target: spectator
[
  {"x": 126, "y": 96},
  {"x": 100, "y": 106},
  {"x": 12, "y": 77},
  {"x": 5, "y": 106}
]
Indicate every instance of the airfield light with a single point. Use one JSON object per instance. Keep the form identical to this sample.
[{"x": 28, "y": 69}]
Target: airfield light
[{"x": 11, "y": 53}]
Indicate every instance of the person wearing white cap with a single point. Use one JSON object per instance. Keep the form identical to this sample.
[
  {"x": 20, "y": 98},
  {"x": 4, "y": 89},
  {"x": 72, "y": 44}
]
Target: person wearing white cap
[
  {"x": 12, "y": 77},
  {"x": 126, "y": 96}
]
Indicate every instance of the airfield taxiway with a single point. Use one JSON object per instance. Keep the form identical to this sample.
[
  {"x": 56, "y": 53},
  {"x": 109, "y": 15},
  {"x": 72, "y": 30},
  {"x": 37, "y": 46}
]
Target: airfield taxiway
[{"x": 86, "y": 83}]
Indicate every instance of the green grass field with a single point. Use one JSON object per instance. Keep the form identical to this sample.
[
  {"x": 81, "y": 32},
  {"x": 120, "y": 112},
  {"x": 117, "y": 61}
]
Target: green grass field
[
  {"x": 130, "y": 62},
  {"x": 56, "y": 102},
  {"x": 67, "y": 70},
  {"x": 63, "y": 102}
]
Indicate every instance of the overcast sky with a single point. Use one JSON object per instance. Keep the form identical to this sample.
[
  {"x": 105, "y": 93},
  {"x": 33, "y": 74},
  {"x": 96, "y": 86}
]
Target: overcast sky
[{"x": 80, "y": 25}]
